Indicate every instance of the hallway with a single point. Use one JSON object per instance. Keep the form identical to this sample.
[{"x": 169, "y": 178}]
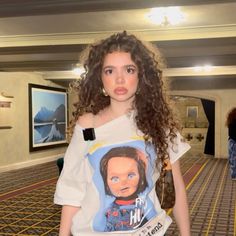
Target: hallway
[{"x": 26, "y": 199}]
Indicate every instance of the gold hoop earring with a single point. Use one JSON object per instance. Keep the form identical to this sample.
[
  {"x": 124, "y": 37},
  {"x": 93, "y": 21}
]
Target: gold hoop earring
[{"x": 104, "y": 92}]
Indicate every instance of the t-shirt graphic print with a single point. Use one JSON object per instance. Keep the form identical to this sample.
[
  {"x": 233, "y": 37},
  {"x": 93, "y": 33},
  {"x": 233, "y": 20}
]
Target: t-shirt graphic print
[{"x": 123, "y": 178}]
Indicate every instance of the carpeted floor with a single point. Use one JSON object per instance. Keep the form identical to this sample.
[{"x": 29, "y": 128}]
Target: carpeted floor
[
  {"x": 212, "y": 201},
  {"x": 26, "y": 199}
]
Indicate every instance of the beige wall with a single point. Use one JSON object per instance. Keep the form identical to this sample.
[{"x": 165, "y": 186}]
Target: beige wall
[
  {"x": 14, "y": 142},
  {"x": 182, "y": 104},
  {"x": 224, "y": 101},
  {"x": 194, "y": 128}
]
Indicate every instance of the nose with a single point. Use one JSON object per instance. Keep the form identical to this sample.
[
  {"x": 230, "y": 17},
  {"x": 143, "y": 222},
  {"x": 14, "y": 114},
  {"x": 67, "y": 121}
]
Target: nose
[
  {"x": 120, "y": 77},
  {"x": 123, "y": 180}
]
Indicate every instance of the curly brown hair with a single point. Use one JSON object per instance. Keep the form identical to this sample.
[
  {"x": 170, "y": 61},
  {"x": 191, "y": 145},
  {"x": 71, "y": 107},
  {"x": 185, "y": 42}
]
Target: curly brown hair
[
  {"x": 153, "y": 114},
  {"x": 231, "y": 116}
]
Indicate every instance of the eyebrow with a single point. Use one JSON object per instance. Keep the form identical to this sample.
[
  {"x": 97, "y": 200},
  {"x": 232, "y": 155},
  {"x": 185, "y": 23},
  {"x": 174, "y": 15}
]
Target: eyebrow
[{"x": 111, "y": 66}]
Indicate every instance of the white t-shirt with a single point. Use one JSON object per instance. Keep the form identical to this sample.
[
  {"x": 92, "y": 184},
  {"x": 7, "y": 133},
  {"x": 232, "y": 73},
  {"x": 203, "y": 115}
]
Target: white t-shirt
[{"x": 112, "y": 179}]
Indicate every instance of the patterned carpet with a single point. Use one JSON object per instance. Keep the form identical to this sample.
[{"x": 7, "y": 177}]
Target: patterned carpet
[
  {"x": 212, "y": 201},
  {"x": 26, "y": 199}
]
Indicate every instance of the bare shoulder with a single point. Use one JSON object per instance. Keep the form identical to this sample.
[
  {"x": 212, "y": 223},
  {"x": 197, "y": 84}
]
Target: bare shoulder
[{"x": 86, "y": 120}]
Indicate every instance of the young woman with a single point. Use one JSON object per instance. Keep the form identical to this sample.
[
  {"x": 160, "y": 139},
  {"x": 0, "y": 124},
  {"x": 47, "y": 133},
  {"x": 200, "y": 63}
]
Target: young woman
[
  {"x": 231, "y": 124},
  {"x": 121, "y": 97}
]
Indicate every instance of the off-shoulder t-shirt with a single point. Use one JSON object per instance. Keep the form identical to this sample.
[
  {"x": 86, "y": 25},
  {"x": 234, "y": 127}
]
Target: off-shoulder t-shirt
[{"x": 112, "y": 179}]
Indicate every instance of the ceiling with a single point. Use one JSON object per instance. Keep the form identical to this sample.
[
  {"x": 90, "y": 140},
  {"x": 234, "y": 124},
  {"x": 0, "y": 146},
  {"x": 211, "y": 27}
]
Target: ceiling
[{"x": 47, "y": 36}]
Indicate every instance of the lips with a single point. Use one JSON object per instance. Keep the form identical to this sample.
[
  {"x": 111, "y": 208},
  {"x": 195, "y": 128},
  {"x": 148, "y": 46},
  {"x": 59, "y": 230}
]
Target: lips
[
  {"x": 120, "y": 91},
  {"x": 123, "y": 190}
]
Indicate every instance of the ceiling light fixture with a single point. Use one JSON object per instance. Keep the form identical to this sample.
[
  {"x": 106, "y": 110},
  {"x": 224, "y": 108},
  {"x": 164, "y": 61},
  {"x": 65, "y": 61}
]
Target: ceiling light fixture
[
  {"x": 205, "y": 68},
  {"x": 197, "y": 68},
  {"x": 166, "y": 16}
]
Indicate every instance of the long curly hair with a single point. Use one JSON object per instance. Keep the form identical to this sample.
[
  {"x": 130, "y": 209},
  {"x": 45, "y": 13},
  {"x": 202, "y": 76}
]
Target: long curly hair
[
  {"x": 153, "y": 114},
  {"x": 231, "y": 116}
]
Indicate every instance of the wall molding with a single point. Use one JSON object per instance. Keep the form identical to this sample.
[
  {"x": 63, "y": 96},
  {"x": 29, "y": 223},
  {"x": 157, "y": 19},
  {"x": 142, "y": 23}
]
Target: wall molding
[
  {"x": 197, "y": 32},
  {"x": 29, "y": 163}
]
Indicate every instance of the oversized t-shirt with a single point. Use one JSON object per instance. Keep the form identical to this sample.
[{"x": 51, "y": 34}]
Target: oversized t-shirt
[{"x": 112, "y": 179}]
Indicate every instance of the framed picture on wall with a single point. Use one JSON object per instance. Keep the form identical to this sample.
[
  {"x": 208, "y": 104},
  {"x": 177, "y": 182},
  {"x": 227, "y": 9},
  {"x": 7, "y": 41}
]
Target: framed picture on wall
[
  {"x": 47, "y": 117},
  {"x": 192, "y": 112}
]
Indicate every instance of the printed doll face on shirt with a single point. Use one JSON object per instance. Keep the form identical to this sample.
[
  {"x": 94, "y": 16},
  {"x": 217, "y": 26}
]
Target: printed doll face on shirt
[
  {"x": 122, "y": 176},
  {"x": 123, "y": 170}
]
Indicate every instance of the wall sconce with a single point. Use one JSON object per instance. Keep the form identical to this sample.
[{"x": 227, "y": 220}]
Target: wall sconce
[
  {"x": 4, "y": 102},
  {"x": 4, "y": 117}
]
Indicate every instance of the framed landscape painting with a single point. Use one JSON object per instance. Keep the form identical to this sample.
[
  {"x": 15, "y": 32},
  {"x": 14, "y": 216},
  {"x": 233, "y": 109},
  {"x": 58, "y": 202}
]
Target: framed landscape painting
[{"x": 47, "y": 117}]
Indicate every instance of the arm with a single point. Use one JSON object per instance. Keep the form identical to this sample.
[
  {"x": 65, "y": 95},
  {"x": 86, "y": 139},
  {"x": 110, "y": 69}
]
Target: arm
[
  {"x": 71, "y": 185},
  {"x": 180, "y": 210},
  {"x": 67, "y": 214}
]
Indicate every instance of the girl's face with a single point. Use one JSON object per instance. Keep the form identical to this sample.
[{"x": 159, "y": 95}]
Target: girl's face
[
  {"x": 120, "y": 76},
  {"x": 122, "y": 176}
]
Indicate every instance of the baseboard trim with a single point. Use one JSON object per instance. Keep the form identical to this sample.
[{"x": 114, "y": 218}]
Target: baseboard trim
[{"x": 29, "y": 163}]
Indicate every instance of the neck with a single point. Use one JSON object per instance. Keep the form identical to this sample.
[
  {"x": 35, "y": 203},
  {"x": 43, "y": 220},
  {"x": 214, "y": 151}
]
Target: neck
[{"x": 119, "y": 109}]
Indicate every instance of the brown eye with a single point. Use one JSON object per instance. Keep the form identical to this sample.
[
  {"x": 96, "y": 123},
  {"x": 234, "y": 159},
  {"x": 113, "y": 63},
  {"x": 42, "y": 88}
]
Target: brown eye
[
  {"x": 130, "y": 69},
  {"x": 108, "y": 71}
]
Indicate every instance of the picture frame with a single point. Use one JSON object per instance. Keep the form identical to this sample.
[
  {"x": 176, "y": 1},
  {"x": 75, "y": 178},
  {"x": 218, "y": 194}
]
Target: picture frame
[
  {"x": 192, "y": 112},
  {"x": 47, "y": 117}
]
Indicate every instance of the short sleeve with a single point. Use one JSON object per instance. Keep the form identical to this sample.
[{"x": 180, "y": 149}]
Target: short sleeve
[
  {"x": 71, "y": 185},
  {"x": 178, "y": 148}
]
